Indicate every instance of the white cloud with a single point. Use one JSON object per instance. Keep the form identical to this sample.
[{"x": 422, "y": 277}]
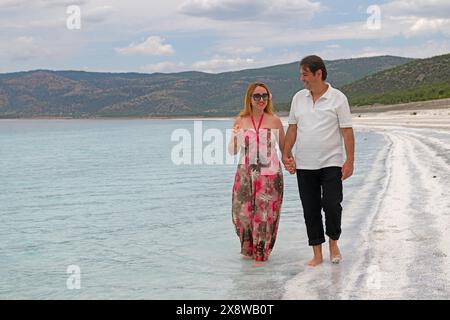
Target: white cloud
[
  {"x": 426, "y": 50},
  {"x": 88, "y": 16},
  {"x": 429, "y": 49},
  {"x": 220, "y": 64},
  {"x": 11, "y": 4},
  {"x": 420, "y": 8},
  {"x": 165, "y": 66},
  {"x": 151, "y": 46},
  {"x": 14, "y": 4},
  {"x": 240, "y": 51},
  {"x": 391, "y": 27},
  {"x": 98, "y": 14},
  {"x": 216, "y": 64},
  {"x": 216, "y": 9},
  {"x": 417, "y": 17},
  {"x": 24, "y": 48},
  {"x": 241, "y": 33},
  {"x": 50, "y": 14},
  {"x": 273, "y": 38},
  {"x": 302, "y": 9},
  {"x": 397, "y": 21},
  {"x": 423, "y": 25},
  {"x": 248, "y": 10}
]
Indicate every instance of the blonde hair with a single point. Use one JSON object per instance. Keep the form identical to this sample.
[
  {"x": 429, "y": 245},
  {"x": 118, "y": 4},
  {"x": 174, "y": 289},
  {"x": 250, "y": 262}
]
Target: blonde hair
[{"x": 248, "y": 100}]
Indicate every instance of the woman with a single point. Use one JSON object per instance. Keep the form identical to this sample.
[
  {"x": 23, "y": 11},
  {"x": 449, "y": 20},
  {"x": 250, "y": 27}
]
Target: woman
[{"x": 258, "y": 185}]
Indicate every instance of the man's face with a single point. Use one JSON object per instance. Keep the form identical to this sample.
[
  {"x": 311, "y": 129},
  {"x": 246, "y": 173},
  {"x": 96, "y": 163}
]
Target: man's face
[{"x": 309, "y": 79}]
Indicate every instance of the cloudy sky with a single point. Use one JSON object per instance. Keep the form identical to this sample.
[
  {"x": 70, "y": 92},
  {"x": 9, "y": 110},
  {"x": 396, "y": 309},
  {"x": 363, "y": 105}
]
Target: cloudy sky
[{"x": 213, "y": 35}]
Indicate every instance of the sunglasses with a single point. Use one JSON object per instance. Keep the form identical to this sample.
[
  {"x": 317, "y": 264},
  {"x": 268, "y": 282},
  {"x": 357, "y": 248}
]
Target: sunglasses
[{"x": 259, "y": 96}]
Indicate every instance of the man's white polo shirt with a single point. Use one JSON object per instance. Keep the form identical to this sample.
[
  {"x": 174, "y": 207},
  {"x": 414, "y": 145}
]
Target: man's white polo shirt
[{"x": 319, "y": 140}]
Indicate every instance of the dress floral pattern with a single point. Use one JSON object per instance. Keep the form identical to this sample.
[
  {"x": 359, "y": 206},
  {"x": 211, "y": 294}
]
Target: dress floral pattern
[{"x": 257, "y": 194}]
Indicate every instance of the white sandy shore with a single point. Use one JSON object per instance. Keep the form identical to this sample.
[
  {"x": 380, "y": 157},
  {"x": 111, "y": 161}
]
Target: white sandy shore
[
  {"x": 400, "y": 248},
  {"x": 434, "y": 118}
]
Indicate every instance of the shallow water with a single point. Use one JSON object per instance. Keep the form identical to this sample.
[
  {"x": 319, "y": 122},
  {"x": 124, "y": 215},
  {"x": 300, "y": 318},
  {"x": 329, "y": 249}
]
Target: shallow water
[{"x": 104, "y": 195}]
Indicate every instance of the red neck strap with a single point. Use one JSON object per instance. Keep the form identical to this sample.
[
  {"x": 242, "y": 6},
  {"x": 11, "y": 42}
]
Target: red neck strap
[{"x": 259, "y": 125}]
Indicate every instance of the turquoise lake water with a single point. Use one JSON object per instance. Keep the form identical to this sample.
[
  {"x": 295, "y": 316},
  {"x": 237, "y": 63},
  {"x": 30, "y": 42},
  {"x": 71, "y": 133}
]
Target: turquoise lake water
[{"x": 105, "y": 196}]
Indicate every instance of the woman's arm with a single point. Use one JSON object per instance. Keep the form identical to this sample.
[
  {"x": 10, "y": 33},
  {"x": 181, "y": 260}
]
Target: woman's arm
[
  {"x": 281, "y": 135},
  {"x": 234, "y": 144}
]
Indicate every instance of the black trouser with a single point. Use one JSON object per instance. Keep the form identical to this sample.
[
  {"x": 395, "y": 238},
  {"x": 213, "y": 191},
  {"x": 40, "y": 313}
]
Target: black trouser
[{"x": 321, "y": 189}]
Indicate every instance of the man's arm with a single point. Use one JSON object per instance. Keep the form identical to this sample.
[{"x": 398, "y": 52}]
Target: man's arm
[
  {"x": 349, "y": 142},
  {"x": 289, "y": 141}
]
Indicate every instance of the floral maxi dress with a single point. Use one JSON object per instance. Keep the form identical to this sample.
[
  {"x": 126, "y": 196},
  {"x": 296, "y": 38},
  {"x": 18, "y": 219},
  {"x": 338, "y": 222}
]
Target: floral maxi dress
[{"x": 257, "y": 194}]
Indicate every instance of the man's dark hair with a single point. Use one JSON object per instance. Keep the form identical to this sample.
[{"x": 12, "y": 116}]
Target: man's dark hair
[{"x": 314, "y": 63}]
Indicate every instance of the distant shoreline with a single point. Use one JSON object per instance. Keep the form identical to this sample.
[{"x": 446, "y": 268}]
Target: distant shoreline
[
  {"x": 411, "y": 106},
  {"x": 122, "y": 118}
]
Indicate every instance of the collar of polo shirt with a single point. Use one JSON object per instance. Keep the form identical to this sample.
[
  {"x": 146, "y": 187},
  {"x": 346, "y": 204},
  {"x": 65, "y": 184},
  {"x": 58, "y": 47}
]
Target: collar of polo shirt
[{"x": 326, "y": 95}]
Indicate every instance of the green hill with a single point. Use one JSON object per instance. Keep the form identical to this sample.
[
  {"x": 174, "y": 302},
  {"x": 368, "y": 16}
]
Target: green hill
[
  {"x": 418, "y": 80},
  {"x": 88, "y": 94}
]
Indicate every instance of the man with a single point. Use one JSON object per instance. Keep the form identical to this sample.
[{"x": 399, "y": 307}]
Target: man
[{"x": 320, "y": 122}]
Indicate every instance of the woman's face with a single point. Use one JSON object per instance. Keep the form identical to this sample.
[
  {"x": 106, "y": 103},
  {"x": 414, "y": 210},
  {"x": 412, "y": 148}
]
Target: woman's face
[{"x": 260, "y": 98}]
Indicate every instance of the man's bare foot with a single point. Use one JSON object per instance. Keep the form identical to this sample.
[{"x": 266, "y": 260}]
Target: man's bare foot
[
  {"x": 335, "y": 253},
  {"x": 318, "y": 258},
  {"x": 315, "y": 261},
  {"x": 246, "y": 257}
]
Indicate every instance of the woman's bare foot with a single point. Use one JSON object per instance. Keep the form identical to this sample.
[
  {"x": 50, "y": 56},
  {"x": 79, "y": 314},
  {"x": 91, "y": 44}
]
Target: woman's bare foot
[
  {"x": 335, "y": 253},
  {"x": 315, "y": 261},
  {"x": 257, "y": 264}
]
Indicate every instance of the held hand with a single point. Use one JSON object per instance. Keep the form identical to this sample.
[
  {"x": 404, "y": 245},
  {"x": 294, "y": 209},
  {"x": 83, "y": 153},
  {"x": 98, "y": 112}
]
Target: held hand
[
  {"x": 347, "y": 169},
  {"x": 289, "y": 163},
  {"x": 292, "y": 167}
]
